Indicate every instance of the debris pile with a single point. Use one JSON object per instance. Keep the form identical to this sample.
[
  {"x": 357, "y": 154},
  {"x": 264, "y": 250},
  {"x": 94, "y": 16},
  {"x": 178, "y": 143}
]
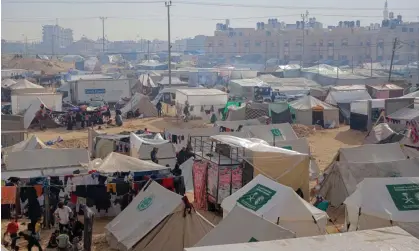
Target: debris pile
[{"x": 302, "y": 131}]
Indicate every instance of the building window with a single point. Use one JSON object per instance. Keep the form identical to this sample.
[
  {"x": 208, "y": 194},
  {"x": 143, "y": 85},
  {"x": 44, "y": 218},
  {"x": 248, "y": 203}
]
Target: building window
[
  {"x": 344, "y": 42},
  {"x": 330, "y": 57},
  {"x": 272, "y": 44},
  {"x": 234, "y": 44},
  {"x": 380, "y": 43},
  {"x": 240, "y": 33},
  {"x": 268, "y": 33},
  {"x": 368, "y": 43},
  {"x": 410, "y": 29},
  {"x": 404, "y": 29},
  {"x": 320, "y": 56},
  {"x": 379, "y": 58},
  {"x": 343, "y": 57},
  {"x": 321, "y": 43},
  {"x": 246, "y": 43},
  {"x": 396, "y": 57},
  {"x": 314, "y": 44},
  {"x": 298, "y": 57},
  {"x": 221, "y": 43},
  {"x": 258, "y": 43},
  {"x": 286, "y": 43},
  {"x": 299, "y": 42},
  {"x": 331, "y": 43}
]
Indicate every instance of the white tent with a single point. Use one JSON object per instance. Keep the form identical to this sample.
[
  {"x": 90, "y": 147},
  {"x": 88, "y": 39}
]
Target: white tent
[
  {"x": 25, "y": 84},
  {"x": 30, "y": 114},
  {"x": 241, "y": 226},
  {"x": 382, "y": 202},
  {"x": 7, "y": 83},
  {"x": 31, "y": 143},
  {"x": 382, "y": 239},
  {"x": 141, "y": 148},
  {"x": 279, "y": 204},
  {"x": 345, "y": 97},
  {"x": 265, "y": 132},
  {"x": 381, "y": 133},
  {"x": 308, "y": 110},
  {"x": 343, "y": 177},
  {"x": 141, "y": 102},
  {"x": 186, "y": 168},
  {"x": 302, "y": 146},
  {"x": 372, "y": 153},
  {"x": 154, "y": 221},
  {"x": 116, "y": 162}
]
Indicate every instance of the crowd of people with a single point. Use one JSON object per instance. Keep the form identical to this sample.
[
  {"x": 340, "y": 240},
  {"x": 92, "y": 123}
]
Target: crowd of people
[{"x": 67, "y": 236}]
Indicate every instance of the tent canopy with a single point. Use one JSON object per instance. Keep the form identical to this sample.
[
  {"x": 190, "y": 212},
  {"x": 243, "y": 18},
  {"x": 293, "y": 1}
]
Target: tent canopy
[
  {"x": 141, "y": 148},
  {"x": 310, "y": 102},
  {"x": 381, "y": 202},
  {"x": 267, "y": 133},
  {"x": 7, "y": 83},
  {"x": 234, "y": 229},
  {"x": 116, "y": 162},
  {"x": 372, "y": 153},
  {"x": 31, "y": 143},
  {"x": 391, "y": 238},
  {"x": 142, "y": 103},
  {"x": 272, "y": 200},
  {"x": 25, "y": 84},
  {"x": 343, "y": 177},
  {"x": 154, "y": 221},
  {"x": 405, "y": 114},
  {"x": 344, "y": 97}
]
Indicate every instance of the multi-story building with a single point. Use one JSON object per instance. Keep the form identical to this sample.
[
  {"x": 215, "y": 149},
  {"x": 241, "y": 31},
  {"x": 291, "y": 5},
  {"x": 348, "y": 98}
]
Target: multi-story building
[
  {"x": 54, "y": 35},
  {"x": 309, "y": 43}
]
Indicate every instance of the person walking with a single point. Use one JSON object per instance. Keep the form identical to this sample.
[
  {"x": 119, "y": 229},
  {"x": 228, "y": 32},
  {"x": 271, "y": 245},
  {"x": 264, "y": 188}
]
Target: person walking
[
  {"x": 63, "y": 214},
  {"x": 159, "y": 107},
  {"x": 12, "y": 229}
]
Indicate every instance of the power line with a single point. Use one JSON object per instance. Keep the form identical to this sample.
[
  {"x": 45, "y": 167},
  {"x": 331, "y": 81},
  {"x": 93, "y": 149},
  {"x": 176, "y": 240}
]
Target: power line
[
  {"x": 168, "y": 4},
  {"x": 208, "y": 4},
  {"x": 103, "y": 33}
]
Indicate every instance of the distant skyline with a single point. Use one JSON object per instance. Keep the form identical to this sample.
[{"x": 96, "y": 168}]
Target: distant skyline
[{"x": 133, "y": 21}]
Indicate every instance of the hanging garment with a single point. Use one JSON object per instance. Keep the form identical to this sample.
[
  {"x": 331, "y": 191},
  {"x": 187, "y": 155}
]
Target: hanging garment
[
  {"x": 111, "y": 188},
  {"x": 122, "y": 189},
  {"x": 169, "y": 183},
  {"x": 73, "y": 198},
  {"x": 81, "y": 191},
  {"x": 38, "y": 189},
  {"x": 8, "y": 195}
]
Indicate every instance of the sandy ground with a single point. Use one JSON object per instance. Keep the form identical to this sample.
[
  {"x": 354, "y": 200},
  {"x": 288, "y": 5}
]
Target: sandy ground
[{"x": 323, "y": 143}]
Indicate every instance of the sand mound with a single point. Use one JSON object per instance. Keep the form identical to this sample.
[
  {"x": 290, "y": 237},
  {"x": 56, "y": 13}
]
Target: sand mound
[
  {"x": 72, "y": 143},
  {"x": 303, "y": 131}
]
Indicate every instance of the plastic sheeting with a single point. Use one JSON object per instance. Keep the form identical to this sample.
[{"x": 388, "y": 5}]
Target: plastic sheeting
[
  {"x": 293, "y": 212},
  {"x": 142, "y": 147},
  {"x": 116, "y": 162},
  {"x": 384, "y": 202},
  {"x": 287, "y": 167},
  {"x": 383, "y": 239},
  {"x": 372, "y": 153}
]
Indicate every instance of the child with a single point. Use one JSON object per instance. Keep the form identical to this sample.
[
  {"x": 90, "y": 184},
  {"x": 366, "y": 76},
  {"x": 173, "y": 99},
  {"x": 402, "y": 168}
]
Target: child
[
  {"x": 188, "y": 205},
  {"x": 38, "y": 229},
  {"x": 53, "y": 243},
  {"x": 12, "y": 230},
  {"x": 29, "y": 236}
]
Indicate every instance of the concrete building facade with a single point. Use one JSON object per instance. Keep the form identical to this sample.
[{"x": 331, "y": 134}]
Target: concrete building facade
[
  {"x": 56, "y": 35},
  {"x": 308, "y": 45}
]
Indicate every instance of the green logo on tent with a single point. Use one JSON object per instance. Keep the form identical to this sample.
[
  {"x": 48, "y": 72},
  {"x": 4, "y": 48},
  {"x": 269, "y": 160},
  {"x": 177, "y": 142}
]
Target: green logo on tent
[
  {"x": 287, "y": 147},
  {"x": 145, "y": 203},
  {"x": 256, "y": 197},
  {"x": 405, "y": 196},
  {"x": 253, "y": 240}
]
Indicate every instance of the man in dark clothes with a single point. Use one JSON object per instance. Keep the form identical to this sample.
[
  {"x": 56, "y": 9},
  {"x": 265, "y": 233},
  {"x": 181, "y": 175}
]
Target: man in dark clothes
[
  {"x": 76, "y": 229},
  {"x": 30, "y": 237},
  {"x": 153, "y": 155},
  {"x": 181, "y": 156},
  {"x": 177, "y": 171},
  {"x": 126, "y": 199},
  {"x": 34, "y": 211},
  {"x": 159, "y": 106}
]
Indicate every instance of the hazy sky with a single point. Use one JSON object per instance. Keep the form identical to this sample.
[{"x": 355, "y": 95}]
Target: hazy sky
[{"x": 131, "y": 21}]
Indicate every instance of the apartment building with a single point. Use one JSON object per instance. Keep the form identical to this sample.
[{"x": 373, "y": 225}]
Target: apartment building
[
  {"x": 56, "y": 35},
  {"x": 310, "y": 44}
]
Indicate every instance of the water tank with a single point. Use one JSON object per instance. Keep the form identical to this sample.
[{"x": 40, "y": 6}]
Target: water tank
[
  {"x": 258, "y": 25},
  {"x": 358, "y": 23},
  {"x": 262, "y": 25},
  {"x": 352, "y": 24},
  {"x": 399, "y": 18},
  {"x": 298, "y": 24},
  {"x": 340, "y": 23},
  {"x": 227, "y": 22}
]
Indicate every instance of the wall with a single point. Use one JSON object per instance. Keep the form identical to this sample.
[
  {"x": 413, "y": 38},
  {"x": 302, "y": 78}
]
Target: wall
[{"x": 11, "y": 123}]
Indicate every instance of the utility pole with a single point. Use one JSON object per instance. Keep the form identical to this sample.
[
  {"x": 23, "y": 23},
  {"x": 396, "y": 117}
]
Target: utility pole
[
  {"x": 304, "y": 17},
  {"x": 266, "y": 53},
  {"x": 52, "y": 46},
  {"x": 148, "y": 50},
  {"x": 392, "y": 58},
  {"x": 168, "y": 4},
  {"x": 103, "y": 32}
]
